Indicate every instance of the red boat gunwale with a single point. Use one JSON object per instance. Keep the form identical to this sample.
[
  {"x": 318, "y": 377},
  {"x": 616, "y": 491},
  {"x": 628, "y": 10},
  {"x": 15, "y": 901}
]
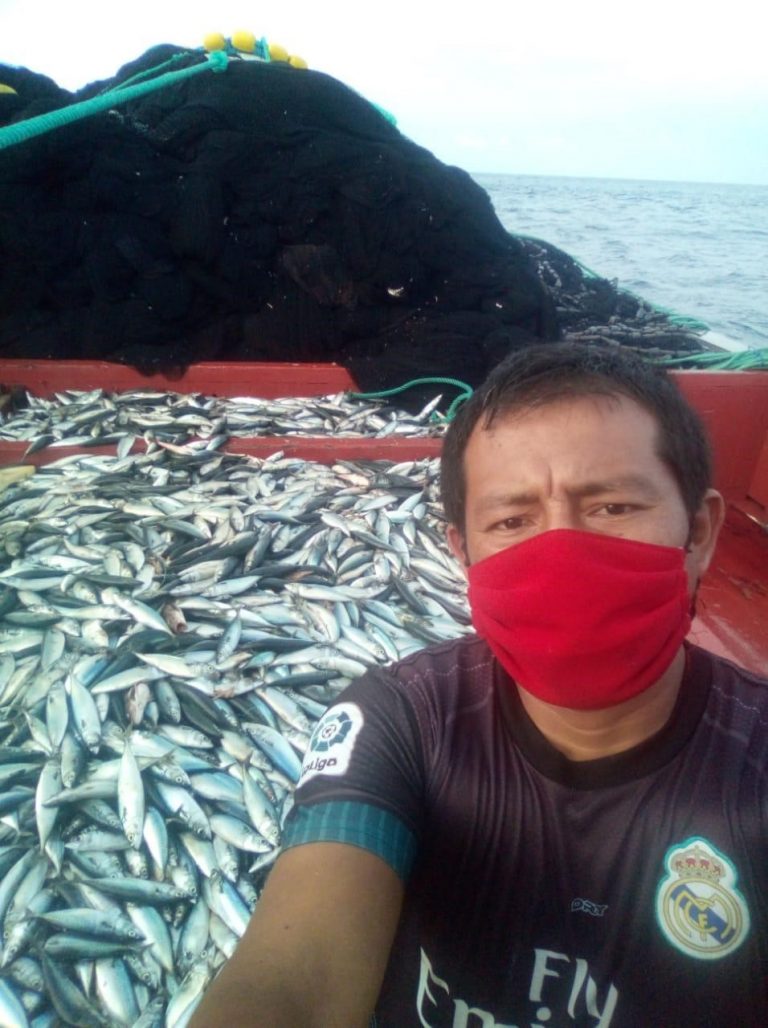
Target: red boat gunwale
[{"x": 732, "y": 606}]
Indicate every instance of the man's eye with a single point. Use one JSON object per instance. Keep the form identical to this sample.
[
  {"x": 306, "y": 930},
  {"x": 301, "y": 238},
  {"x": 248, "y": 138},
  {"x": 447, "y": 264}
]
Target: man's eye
[
  {"x": 617, "y": 509},
  {"x": 510, "y": 524}
]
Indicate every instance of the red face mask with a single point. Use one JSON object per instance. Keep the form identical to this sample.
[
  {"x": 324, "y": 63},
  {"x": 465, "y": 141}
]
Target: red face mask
[{"x": 579, "y": 619}]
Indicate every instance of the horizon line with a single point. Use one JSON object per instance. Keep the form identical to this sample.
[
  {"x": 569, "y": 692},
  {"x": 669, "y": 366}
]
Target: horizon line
[{"x": 622, "y": 178}]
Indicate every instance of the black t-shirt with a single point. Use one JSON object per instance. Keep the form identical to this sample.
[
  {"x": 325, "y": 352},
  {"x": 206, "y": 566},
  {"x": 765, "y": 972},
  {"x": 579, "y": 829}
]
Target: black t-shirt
[{"x": 629, "y": 891}]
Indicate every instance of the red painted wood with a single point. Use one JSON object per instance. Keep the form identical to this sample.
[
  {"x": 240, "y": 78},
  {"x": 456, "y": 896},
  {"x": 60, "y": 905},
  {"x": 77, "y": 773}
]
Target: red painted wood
[
  {"x": 328, "y": 450},
  {"x": 216, "y": 378},
  {"x": 734, "y": 407},
  {"x": 758, "y": 487},
  {"x": 324, "y": 449},
  {"x": 732, "y": 604}
]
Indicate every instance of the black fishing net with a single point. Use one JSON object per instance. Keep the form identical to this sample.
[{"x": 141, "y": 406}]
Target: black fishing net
[{"x": 269, "y": 213}]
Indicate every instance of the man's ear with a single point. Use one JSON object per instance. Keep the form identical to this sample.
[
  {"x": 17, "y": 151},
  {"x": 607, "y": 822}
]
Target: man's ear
[
  {"x": 457, "y": 545},
  {"x": 705, "y": 528}
]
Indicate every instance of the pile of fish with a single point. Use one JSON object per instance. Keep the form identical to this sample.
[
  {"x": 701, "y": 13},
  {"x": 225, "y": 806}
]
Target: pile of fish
[
  {"x": 77, "y": 418},
  {"x": 172, "y": 625}
]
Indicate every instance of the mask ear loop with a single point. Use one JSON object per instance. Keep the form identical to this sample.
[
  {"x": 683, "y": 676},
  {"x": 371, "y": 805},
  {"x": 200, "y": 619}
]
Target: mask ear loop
[{"x": 687, "y": 549}]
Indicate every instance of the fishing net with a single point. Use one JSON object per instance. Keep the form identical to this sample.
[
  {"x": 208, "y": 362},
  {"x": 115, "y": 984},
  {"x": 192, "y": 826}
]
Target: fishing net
[{"x": 270, "y": 213}]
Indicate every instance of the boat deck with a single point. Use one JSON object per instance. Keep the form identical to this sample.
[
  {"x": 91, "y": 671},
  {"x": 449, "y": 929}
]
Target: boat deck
[{"x": 732, "y": 606}]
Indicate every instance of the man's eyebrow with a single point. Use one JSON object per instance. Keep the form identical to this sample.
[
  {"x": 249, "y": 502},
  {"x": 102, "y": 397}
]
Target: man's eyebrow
[
  {"x": 503, "y": 500},
  {"x": 637, "y": 484},
  {"x": 634, "y": 483}
]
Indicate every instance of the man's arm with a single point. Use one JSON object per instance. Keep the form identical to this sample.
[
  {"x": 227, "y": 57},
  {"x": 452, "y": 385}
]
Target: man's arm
[{"x": 316, "y": 949}]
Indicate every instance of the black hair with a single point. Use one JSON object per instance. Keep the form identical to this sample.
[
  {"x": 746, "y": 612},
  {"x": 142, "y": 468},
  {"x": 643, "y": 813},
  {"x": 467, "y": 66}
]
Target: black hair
[{"x": 545, "y": 373}]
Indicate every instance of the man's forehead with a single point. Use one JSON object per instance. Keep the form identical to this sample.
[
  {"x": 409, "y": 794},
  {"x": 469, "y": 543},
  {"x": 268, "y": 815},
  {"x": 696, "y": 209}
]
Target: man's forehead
[
  {"x": 609, "y": 437},
  {"x": 564, "y": 414},
  {"x": 604, "y": 404}
]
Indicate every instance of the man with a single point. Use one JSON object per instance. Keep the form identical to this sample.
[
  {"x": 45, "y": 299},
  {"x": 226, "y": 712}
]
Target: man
[{"x": 562, "y": 820}]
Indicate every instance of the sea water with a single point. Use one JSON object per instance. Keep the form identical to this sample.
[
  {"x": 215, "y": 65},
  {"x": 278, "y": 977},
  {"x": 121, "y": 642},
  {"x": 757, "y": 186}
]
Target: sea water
[{"x": 697, "y": 249}]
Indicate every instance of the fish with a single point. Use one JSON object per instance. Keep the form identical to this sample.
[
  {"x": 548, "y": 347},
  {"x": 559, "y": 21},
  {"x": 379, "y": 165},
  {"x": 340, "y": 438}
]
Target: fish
[
  {"x": 152, "y": 728},
  {"x": 12, "y": 1012},
  {"x": 135, "y": 416}
]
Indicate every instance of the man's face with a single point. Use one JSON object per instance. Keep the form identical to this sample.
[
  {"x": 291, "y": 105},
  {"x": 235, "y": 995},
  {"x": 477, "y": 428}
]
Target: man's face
[{"x": 587, "y": 463}]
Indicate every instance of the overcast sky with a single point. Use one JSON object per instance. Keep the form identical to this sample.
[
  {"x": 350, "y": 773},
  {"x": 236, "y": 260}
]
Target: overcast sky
[{"x": 663, "y": 89}]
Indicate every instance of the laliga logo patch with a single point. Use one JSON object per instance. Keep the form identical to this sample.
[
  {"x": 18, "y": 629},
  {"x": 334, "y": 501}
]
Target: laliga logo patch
[
  {"x": 332, "y": 742},
  {"x": 698, "y": 907}
]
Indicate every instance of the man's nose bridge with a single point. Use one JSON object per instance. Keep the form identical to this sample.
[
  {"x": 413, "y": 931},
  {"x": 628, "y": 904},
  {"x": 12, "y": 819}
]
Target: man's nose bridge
[{"x": 561, "y": 512}]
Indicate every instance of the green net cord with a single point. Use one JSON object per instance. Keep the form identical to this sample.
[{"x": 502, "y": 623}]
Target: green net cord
[
  {"x": 683, "y": 320},
  {"x": 743, "y": 360},
  {"x": 150, "y": 72},
  {"x": 466, "y": 392}
]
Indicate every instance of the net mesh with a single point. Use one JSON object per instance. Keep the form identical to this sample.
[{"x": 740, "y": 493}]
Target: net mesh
[{"x": 270, "y": 213}]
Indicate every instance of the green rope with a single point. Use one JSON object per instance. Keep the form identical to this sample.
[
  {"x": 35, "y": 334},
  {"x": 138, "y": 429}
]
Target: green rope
[
  {"x": 747, "y": 360},
  {"x": 150, "y": 72},
  {"x": 466, "y": 392},
  {"x": 385, "y": 114},
  {"x": 683, "y": 320},
  {"x": 19, "y": 132}
]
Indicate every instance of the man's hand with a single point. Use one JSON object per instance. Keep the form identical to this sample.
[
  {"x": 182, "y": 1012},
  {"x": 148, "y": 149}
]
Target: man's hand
[{"x": 316, "y": 948}]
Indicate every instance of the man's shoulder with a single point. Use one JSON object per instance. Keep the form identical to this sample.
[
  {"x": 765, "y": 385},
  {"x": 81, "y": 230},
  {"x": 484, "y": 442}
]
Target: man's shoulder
[
  {"x": 438, "y": 681},
  {"x": 459, "y": 665},
  {"x": 728, "y": 675},
  {"x": 738, "y": 702},
  {"x": 466, "y": 653}
]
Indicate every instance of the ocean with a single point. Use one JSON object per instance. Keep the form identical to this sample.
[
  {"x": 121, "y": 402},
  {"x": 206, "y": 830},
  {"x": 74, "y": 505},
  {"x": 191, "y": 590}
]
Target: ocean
[{"x": 700, "y": 250}]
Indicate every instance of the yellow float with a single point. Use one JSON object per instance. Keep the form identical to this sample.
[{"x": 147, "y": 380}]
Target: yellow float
[{"x": 244, "y": 44}]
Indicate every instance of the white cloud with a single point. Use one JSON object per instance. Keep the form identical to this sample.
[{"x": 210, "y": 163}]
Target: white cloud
[{"x": 568, "y": 84}]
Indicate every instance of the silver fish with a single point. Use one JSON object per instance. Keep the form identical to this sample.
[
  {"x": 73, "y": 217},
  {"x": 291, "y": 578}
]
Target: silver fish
[{"x": 291, "y": 573}]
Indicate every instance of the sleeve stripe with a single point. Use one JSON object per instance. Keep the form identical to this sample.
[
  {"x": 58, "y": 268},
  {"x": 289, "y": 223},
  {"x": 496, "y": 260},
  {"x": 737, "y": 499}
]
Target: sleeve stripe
[{"x": 357, "y": 824}]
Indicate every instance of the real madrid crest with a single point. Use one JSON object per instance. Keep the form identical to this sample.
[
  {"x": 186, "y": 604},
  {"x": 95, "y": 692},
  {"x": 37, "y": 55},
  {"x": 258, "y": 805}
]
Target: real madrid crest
[{"x": 698, "y": 907}]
